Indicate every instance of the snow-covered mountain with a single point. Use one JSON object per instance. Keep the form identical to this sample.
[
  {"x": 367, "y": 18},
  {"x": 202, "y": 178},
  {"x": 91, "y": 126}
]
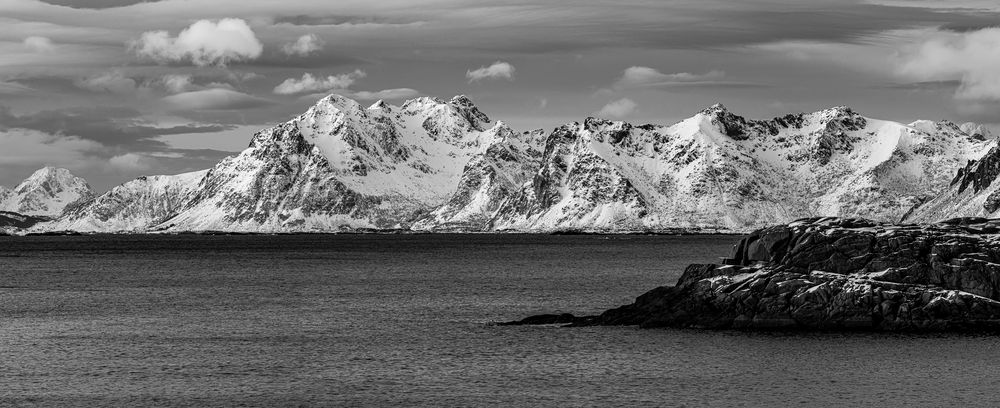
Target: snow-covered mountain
[
  {"x": 435, "y": 165},
  {"x": 974, "y": 192},
  {"x": 134, "y": 206},
  {"x": 720, "y": 170},
  {"x": 45, "y": 193},
  {"x": 342, "y": 166},
  {"x": 488, "y": 180}
]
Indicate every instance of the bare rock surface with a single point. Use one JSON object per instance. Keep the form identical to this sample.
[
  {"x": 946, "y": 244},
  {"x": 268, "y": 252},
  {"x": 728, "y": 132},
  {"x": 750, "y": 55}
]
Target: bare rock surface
[{"x": 834, "y": 274}]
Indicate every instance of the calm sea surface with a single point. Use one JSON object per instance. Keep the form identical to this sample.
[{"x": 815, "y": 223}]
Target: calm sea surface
[{"x": 403, "y": 320}]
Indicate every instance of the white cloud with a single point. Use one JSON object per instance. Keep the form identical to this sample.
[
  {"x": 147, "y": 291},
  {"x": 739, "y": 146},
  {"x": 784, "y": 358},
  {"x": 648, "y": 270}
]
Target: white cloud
[
  {"x": 971, "y": 57},
  {"x": 238, "y": 76},
  {"x": 309, "y": 83},
  {"x": 951, "y": 4},
  {"x": 181, "y": 83},
  {"x": 130, "y": 162},
  {"x": 305, "y": 45},
  {"x": 395, "y": 93},
  {"x": 112, "y": 82},
  {"x": 203, "y": 43},
  {"x": 175, "y": 83},
  {"x": 617, "y": 109},
  {"x": 39, "y": 44},
  {"x": 873, "y": 55},
  {"x": 33, "y": 148},
  {"x": 213, "y": 99},
  {"x": 499, "y": 70},
  {"x": 14, "y": 88},
  {"x": 642, "y": 77}
]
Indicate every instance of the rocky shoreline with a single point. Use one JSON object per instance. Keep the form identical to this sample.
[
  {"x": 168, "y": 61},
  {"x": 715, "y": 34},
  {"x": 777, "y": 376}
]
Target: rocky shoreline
[{"x": 832, "y": 274}]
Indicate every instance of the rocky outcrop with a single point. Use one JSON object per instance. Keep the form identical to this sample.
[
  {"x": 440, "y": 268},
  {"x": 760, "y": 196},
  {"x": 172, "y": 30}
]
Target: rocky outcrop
[{"x": 833, "y": 274}]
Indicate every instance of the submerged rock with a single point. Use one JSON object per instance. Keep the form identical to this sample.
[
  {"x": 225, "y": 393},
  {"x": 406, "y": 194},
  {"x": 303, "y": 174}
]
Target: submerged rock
[{"x": 834, "y": 274}]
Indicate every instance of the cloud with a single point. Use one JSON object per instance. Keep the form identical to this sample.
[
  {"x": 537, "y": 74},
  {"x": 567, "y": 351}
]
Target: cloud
[
  {"x": 970, "y": 57},
  {"x": 309, "y": 83},
  {"x": 39, "y": 44},
  {"x": 644, "y": 77},
  {"x": 13, "y": 88},
  {"x": 203, "y": 43},
  {"x": 214, "y": 99},
  {"x": 176, "y": 83},
  {"x": 97, "y": 4},
  {"x": 305, "y": 45},
  {"x": 638, "y": 77},
  {"x": 27, "y": 147},
  {"x": 395, "y": 93},
  {"x": 131, "y": 162},
  {"x": 617, "y": 109},
  {"x": 114, "y": 127},
  {"x": 499, "y": 70},
  {"x": 111, "y": 82}
]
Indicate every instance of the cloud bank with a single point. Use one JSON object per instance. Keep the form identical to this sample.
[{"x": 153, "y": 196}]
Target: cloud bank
[
  {"x": 309, "y": 83},
  {"x": 213, "y": 99},
  {"x": 970, "y": 57},
  {"x": 617, "y": 109},
  {"x": 499, "y": 70},
  {"x": 645, "y": 77},
  {"x": 204, "y": 43},
  {"x": 111, "y": 82},
  {"x": 304, "y": 46},
  {"x": 39, "y": 44}
]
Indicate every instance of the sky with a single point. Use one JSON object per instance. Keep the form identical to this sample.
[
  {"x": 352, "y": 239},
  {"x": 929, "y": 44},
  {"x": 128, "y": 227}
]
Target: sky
[{"x": 115, "y": 89}]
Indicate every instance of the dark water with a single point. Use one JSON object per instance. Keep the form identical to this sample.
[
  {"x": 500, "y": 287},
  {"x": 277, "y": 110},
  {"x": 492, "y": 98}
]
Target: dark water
[{"x": 394, "y": 320}]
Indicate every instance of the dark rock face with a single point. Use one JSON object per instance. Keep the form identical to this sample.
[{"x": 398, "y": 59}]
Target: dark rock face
[
  {"x": 980, "y": 174},
  {"x": 14, "y": 220},
  {"x": 836, "y": 274}
]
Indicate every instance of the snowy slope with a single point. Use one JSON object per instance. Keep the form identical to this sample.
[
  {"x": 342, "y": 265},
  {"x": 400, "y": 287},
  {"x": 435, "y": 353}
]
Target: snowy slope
[
  {"x": 719, "y": 170},
  {"x": 342, "y": 166},
  {"x": 47, "y": 192},
  {"x": 490, "y": 178},
  {"x": 131, "y": 207},
  {"x": 973, "y": 192}
]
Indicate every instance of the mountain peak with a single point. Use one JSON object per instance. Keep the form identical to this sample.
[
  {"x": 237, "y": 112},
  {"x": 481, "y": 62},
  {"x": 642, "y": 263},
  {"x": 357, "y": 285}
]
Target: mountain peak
[
  {"x": 469, "y": 111},
  {"x": 462, "y": 99},
  {"x": 838, "y": 111},
  {"x": 49, "y": 173},
  {"x": 840, "y": 119},
  {"x": 338, "y": 101},
  {"x": 716, "y": 108},
  {"x": 380, "y": 105},
  {"x": 47, "y": 192}
]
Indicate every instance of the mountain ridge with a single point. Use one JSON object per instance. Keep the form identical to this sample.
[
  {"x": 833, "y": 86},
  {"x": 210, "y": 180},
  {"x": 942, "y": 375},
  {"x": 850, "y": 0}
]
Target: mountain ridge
[{"x": 443, "y": 165}]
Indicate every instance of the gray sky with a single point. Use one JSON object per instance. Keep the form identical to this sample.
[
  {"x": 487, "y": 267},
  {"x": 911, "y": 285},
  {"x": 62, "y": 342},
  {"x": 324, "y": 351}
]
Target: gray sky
[{"x": 114, "y": 89}]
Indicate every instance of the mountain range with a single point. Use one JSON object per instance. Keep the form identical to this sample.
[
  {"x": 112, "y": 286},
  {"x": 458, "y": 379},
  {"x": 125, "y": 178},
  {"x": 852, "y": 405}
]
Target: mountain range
[{"x": 436, "y": 165}]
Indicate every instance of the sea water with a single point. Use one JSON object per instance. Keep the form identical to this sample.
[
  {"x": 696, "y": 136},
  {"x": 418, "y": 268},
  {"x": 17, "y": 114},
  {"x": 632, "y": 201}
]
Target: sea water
[{"x": 405, "y": 320}]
